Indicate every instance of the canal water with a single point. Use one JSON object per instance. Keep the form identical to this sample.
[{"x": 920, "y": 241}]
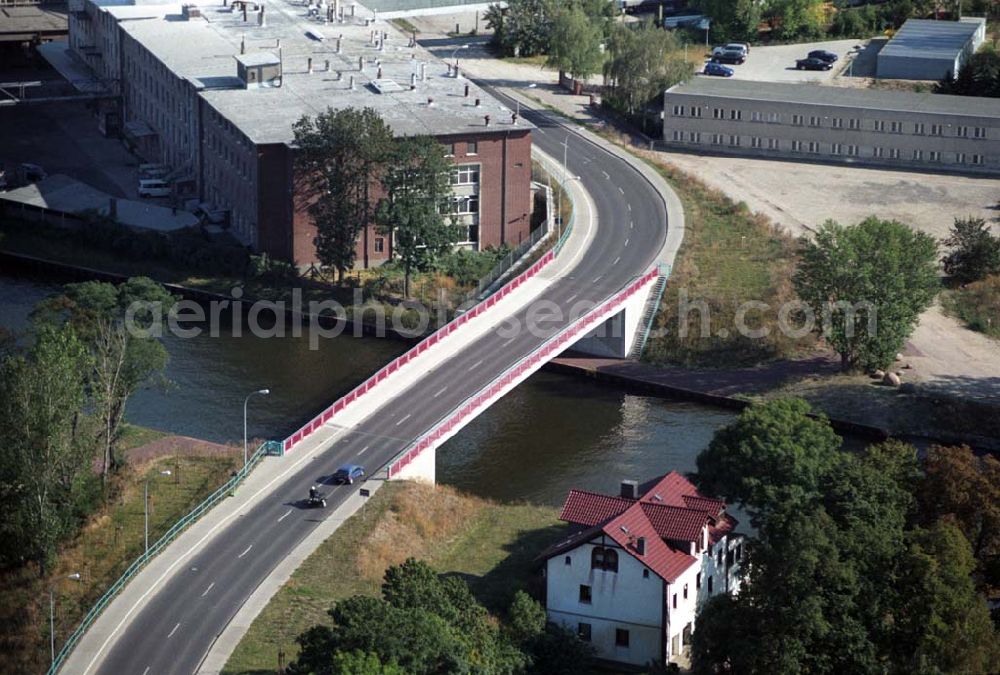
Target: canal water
[{"x": 552, "y": 433}]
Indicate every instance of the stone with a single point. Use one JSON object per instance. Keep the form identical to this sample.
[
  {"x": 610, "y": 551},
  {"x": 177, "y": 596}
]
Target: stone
[
  {"x": 878, "y": 374},
  {"x": 891, "y": 379}
]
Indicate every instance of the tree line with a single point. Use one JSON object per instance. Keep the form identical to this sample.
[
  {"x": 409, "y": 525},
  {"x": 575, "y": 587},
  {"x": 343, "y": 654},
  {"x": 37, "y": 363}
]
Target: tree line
[{"x": 64, "y": 388}]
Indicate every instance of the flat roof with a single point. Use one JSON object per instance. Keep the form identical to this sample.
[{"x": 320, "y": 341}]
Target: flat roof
[
  {"x": 853, "y": 97},
  {"x": 61, "y": 193},
  {"x": 929, "y": 39},
  {"x": 204, "y": 49}
]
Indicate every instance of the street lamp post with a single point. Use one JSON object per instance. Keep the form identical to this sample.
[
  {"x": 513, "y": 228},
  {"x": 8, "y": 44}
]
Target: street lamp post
[
  {"x": 52, "y": 616},
  {"x": 145, "y": 510},
  {"x": 454, "y": 56},
  {"x": 262, "y": 392}
]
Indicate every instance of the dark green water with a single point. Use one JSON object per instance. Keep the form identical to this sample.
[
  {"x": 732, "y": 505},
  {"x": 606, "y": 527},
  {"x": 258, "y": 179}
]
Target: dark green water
[{"x": 551, "y": 434}]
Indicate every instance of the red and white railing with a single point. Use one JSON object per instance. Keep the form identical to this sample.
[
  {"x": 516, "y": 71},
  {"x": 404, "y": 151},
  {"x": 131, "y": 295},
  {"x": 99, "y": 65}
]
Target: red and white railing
[
  {"x": 529, "y": 364},
  {"x": 394, "y": 365}
]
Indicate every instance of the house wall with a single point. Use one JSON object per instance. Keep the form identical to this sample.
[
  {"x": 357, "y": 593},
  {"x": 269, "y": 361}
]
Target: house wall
[
  {"x": 623, "y": 599},
  {"x": 809, "y": 132}
]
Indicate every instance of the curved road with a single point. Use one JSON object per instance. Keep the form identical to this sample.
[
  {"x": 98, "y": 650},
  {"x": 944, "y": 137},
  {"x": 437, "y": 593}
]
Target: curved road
[{"x": 173, "y": 632}]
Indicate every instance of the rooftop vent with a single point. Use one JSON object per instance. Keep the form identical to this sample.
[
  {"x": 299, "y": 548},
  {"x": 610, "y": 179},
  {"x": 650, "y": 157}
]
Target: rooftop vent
[
  {"x": 630, "y": 489},
  {"x": 640, "y": 545},
  {"x": 190, "y": 11},
  {"x": 386, "y": 86}
]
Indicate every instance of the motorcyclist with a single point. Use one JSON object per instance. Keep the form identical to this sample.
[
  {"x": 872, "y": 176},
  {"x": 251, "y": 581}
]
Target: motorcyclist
[{"x": 313, "y": 493}]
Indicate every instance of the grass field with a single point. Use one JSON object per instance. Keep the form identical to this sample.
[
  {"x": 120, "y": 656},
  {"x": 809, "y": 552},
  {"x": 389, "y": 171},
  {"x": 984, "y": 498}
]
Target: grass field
[
  {"x": 977, "y": 305},
  {"x": 106, "y": 544},
  {"x": 492, "y": 546}
]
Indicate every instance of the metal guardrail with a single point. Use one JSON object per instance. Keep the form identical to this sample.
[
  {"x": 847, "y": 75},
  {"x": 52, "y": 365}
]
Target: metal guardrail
[
  {"x": 565, "y": 233},
  {"x": 266, "y": 448}
]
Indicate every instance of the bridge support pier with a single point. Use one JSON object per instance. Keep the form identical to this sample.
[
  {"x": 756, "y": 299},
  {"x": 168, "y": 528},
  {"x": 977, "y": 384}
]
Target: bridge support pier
[
  {"x": 615, "y": 336},
  {"x": 422, "y": 468}
]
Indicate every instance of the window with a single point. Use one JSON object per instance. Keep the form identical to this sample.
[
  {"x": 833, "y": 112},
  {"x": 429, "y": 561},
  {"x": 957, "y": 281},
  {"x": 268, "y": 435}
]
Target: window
[
  {"x": 602, "y": 558},
  {"x": 896, "y": 127},
  {"x": 979, "y": 132},
  {"x": 380, "y": 244},
  {"x": 583, "y": 631},
  {"x": 585, "y": 594},
  {"x": 962, "y": 131},
  {"x": 730, "y": 556},
  {"x": 838, "y": 122},
  {"x": 879, "y": 125},
  {"x": 854, "y": 123},
  {"x": 568, "y": 561},
  {"x": 697, "y": 581},
  {"x": 852, "y": 150},
  {"x": 717, "y": 139},
  {"x": 685, "y": 591},
  {"x": 621, "y": 637},
  {"x": 739, "y": 551},
  {"x": 645, "y": 574},
  {"x": 756, "y": 116},
  {"x": 718, "y": 113},
  {"x": 450, "y": 150},
  {"x": 735, "y": 114},
  {"x": 813, "y": 146},
  {"x": 936, "y": 129},
  {"x": 462, "y": 205},
  {"x": 814, "y": 121},
  {"x": 719, "y": 557},
  {"x": 976, "y": 159},
  {"x": 695, "y": 111},
  {"x": 695, "y": 137},
  {"x": 465, "y": 174},
  {"x": 836, "y": 149},
  {"x": 918, "y": 155},
  {"x": 797, "y": 120},
  {"x": 772, "y": 144},
  {"x": 796, "y": 146},
  {"x": 918, "y": 128},
  {"x": 734, "y": 139},
  {"x": 774, "y": 117},
  {"x": 678, "y": 135},
  {"x": 678, "y": 111},
  {"x": 879, "y": 152},
  {"x": 710, "y": 585},
  {"x": 893, "y": 153},
  {"x": 756, "y": 142},
  {"x": 960, "y": 158},
  {"x": 675, "y": 601},
  {"x": 472, "y": 147},
  {"x": 935, "y": 156}
]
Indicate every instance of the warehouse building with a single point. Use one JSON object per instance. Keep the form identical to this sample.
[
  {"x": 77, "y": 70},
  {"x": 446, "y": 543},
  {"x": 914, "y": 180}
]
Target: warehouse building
[
  {"x": 809, "y": 122},
  {"x": 924, "y": 49},
  {"x": 213, "y": 91}
]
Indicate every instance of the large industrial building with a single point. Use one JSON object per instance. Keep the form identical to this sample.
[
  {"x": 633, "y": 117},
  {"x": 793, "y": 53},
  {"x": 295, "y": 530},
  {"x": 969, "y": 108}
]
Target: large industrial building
[
  {"x": 809, "y": 122},
  {"x": 213, "y": 91},
  {"x": 923, "y": 49}
]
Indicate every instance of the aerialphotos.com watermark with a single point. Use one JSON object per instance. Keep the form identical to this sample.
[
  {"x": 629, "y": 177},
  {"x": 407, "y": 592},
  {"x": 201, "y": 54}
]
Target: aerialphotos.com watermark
[{"x": 324, "y": 319}]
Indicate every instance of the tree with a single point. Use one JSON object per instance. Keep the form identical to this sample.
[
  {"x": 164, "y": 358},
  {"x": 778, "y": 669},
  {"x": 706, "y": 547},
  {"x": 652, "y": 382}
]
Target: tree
[
  {"x": 980, "y": 76},
  {"x": 866, "y": 286},
  {"x": 120, "y": 326},
  {"x": 643, "y": 62},
  {"x": 975, "y": 252},
  {"x": 522, "y": 29},
  {"x": 525, "y": 618},
  {"x": 575, "y": 43},
  {"x": 795, "y": 19},
  {"x": 362, "y": 663},
  {"x": 340, "y": 156},
  {"x": 774, "y": 454},
  {"x": 417, "y": 185},
  {"x": 45, "y": 460},
  {"x": 731, "y": 19}
]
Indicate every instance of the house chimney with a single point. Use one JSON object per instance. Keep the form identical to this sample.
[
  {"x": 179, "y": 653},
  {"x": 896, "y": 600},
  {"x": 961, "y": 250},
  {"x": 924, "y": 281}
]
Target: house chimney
[
  {"x": 513, "y": 118},
  {"x": 244, "y": 11},
  {"x": 371, "y": 38},
  {"x": 353, "y": 7},
  {"x": 423, "y": 72},
  {"x": 361, "y": 64},
  {"x": 309, "y": 65},
  {"x": 260, "y": 17},
  {"x": 328, "y": 65},
  {"x": 413, "y": 81},
  {"x": 478, "y": 102},
  {"x": 466, "y": 90},
  {"x": 487, "y": 118},
  {"x": 352, "y": 83},
  {"x": 449, "y": 69},
  {"x": 630, "y": 489},
  {"x": 340, "y": 38},
  {"x": 243, "y": 45},
  {"x": 640, "y": 545},
  {"x": 430, "y": 102},
  {"x": 379, "y": 75}
]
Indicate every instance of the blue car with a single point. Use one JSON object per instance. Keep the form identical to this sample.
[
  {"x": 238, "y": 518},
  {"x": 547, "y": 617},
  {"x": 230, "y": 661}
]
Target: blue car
[
  {"x": 347, "y": 474},
  {"x": 718, "y": 69}
]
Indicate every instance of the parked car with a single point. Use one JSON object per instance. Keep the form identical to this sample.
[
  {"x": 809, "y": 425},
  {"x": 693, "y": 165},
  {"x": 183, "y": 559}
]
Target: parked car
[
  {"x": 717, "y": 69},
  {"x": 347, "y": 474},
  {"x": 740, "y": 46},
  {"x": 154, "y": 187},
  {"x": 813, "y": 64},
  {"x": 822, "y": 55},
  {"x": 730, "y": 56}
]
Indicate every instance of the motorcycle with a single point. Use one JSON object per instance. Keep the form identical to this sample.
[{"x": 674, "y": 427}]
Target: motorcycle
[{"x": 316, "y": 499}]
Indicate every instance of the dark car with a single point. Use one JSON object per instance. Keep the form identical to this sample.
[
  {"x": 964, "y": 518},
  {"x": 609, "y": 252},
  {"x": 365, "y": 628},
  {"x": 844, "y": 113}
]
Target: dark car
[
  {"x": 822, "y": 55},
  {"x": 349, "y": 473},
  {"x": 712, "y": 68},
  {"x": 812, "y": 64},
  {"x": 729, "y": 56}
]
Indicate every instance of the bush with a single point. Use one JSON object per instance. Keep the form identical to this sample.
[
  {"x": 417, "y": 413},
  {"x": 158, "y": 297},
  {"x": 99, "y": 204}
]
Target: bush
[{"x": 975, "y": 252}]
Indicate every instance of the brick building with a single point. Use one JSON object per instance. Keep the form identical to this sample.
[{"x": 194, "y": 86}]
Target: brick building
[{"x": 212, "y": 91}]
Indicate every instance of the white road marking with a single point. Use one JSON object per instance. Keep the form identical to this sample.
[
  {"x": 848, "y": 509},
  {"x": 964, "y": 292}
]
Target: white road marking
[
  {"x": 145, "y": 671},
  {"x": 606, "y": 175},
  {"x": 631, "y": 224},
  {"x": 403, "y": 419},
  {"x": 208, "y": 589},
  {"x": 245, "y": 552},
  {"x": 475, "y": 365},
  {"x": 441, "y": 391},
  {"x": 572, "y": 297},
  {"x": 616, "y": 260},
  {"x": 508, "y": 342},
  {"x": 626, "y": 240},
  {"x": 287, "y": 513},
  {"x": 598, "y": 278},
  {"x": 171, "y": 634},
  {"x": 363, "y": 450},
  {"x": 621, "y": 189}
]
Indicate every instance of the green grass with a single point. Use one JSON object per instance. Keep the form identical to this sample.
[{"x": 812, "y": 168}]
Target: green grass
[
  {"x": 537, "y": 60},
  {"x": 492, "y": 546},
  {"x": 977, "y": 305},
  {"x": 404, "y": 25},
  {"x": 105, "y": 545},
  {"x": 134, "y": 436}
]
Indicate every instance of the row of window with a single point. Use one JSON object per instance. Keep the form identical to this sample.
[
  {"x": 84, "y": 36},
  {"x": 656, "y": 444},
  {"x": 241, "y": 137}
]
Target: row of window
[
  {"x": 583, "y": 631},
  {"x": 465, "y": 174},
  {"x": 471, "y": 148},
  {"x": 852, "y": 123},
  {"x": 815, "y": 147}
]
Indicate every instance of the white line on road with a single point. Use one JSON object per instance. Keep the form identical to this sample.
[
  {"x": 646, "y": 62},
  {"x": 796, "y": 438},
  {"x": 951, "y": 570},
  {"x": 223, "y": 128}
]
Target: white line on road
[
  {"x": 475, "y": 365},
  {"x": 631, "y": 224},
  {"x": 508, "y": 342},
  {"x": 441, "y": 391},
  {"x": 621, "y": 189},
  {"x": 606, "y": 175},
  {"x": 404, "y": 418},
  {"x": 145, "y": 671},
  {"x": 363, "y": 450},
  {"x": 174, "y": 630},
  {"x": 572, "y": 297},
  {"x": 616, "y": 260},
  {"x": 208, "y": 589},
  {"x": 245, "y": 552},
  {"x": 287, "y": 513},
  {"x": 626, "y": 240},
  {"x": 598, "y": 278},
  {"x": 629, "y": 206}
]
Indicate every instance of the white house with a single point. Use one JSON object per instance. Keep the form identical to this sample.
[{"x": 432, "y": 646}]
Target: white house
[{"x": 631, "y": 577}]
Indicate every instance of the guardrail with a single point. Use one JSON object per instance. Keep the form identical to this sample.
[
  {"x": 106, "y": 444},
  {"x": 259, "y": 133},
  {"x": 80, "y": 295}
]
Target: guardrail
[
  {"x": 557, "y": 342},
  {"x": 267, "y": 448},
  {"x": 397, "y": 363}
]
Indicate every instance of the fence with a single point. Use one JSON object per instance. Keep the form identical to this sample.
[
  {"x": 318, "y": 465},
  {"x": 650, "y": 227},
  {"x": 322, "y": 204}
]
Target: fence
[
  {"x": 559, "y": 342},
  {"x": 394, "y": 365},
  {"x": 267, "y": 448}
]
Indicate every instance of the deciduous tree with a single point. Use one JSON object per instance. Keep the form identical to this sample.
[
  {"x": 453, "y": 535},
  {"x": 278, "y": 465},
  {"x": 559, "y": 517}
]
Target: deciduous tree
[
  {"x": 975, "y": 251},
  {"x": 575, "y": 43}
]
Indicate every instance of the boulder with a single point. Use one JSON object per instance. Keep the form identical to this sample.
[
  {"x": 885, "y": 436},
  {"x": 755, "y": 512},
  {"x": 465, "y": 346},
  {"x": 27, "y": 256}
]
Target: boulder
[
  {"x": 899, "y": 357},
  {"x": 878, "y": 374},
  {"x": 891, "y": 379}
]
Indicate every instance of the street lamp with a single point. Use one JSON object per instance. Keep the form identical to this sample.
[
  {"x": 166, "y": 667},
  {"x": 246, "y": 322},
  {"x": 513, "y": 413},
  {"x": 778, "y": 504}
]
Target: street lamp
[
  {"x": 262, "y": 392},
  {"x": 145, "y": 509},
  {"x": 454, "y": 54},
  {"x": 52, "y": 615}
]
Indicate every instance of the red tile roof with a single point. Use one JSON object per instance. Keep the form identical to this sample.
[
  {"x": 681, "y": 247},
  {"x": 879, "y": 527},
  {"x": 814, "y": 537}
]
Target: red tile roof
[
  {"x": 666, "y": 562},
  {"x": 590, "y": 508},
  {"x": 674, "y": 522}
]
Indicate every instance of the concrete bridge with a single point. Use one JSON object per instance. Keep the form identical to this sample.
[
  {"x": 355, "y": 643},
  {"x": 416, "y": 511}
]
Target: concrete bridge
[{"x": 607, "y": 275}]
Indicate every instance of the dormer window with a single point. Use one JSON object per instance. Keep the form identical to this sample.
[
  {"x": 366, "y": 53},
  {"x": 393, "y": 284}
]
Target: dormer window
[{"x": 604, "y": 558}]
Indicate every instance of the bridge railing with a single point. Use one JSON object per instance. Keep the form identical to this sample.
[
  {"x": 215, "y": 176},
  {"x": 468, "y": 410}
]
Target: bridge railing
[
  {"x": 397, "y": 363},
  {"x": 266, "y": 448},
  {"x": 557, "y": 343}
]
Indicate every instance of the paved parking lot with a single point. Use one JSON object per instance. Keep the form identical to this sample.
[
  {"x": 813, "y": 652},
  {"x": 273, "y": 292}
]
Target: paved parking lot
[{"x": 777, "y": 64}]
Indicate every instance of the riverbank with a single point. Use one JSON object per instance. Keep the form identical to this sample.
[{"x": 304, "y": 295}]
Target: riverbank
[
  {"x": 490, "y": 545},
  {"x": 107, "y": 541}
]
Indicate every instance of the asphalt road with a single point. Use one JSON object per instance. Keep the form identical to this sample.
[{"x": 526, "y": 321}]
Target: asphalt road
[{"x": 176, "y": 628}]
